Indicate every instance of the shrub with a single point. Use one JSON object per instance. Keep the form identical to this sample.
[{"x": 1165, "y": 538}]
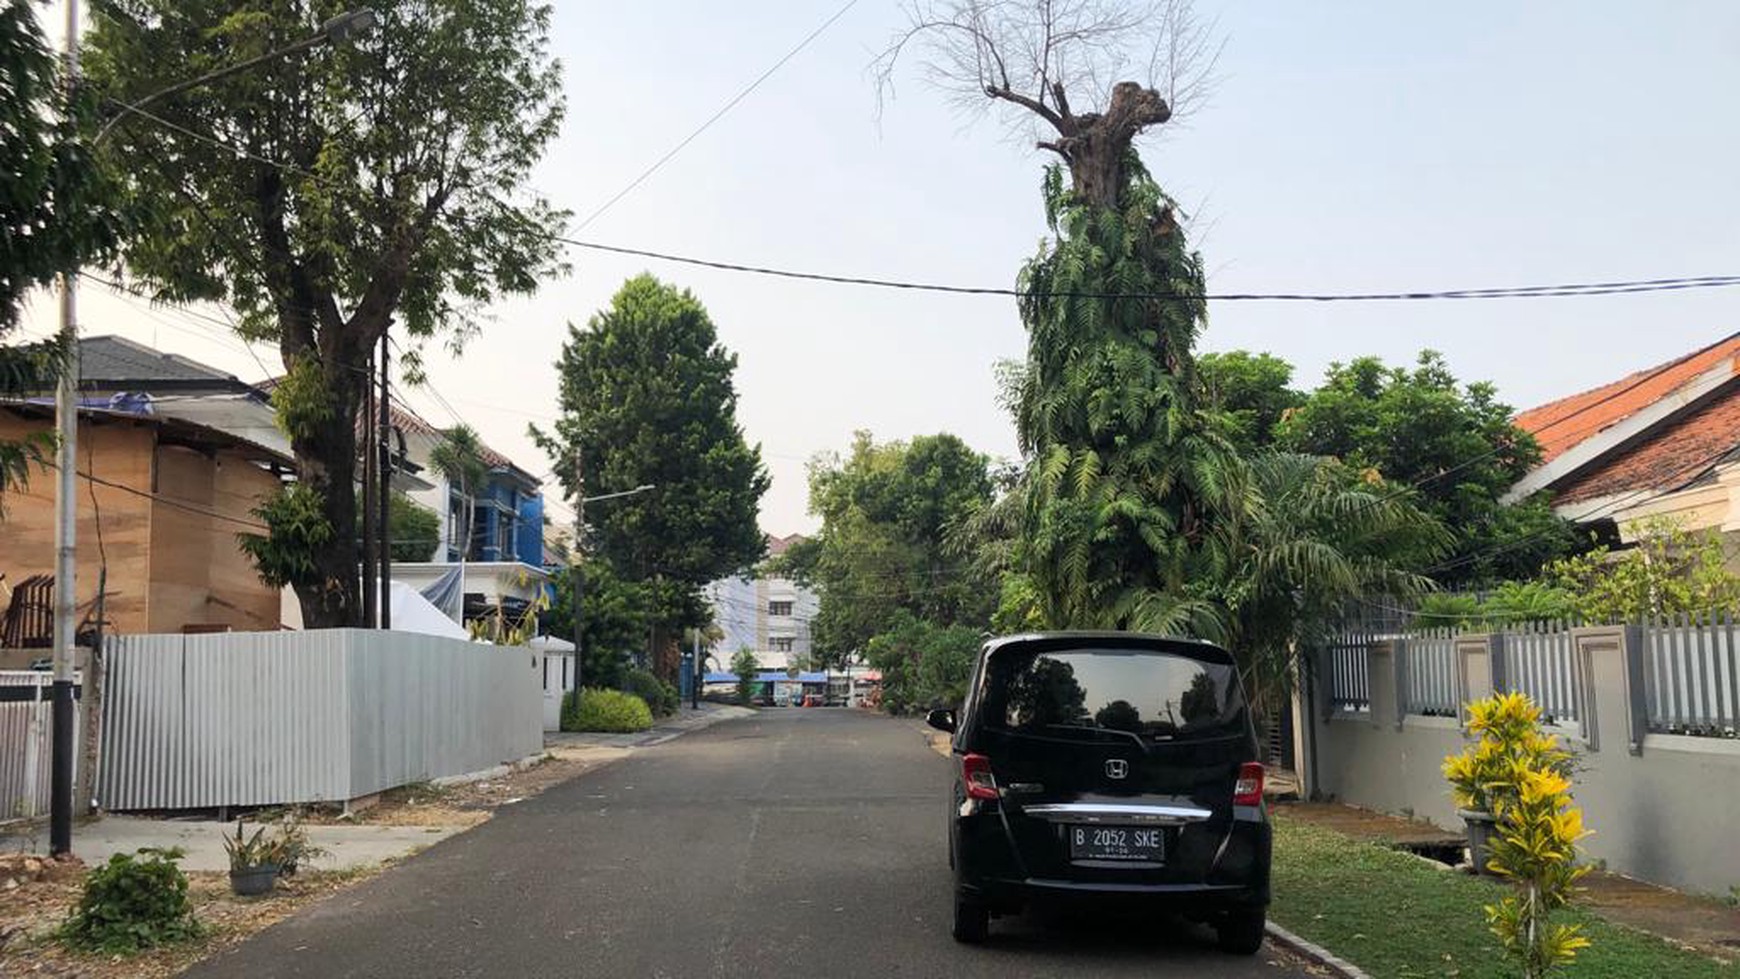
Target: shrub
[
  {"x": 1508, "y": 740},
  {"x": 609, "y": 711},
  {"x": 745, "y": 665},
  {"x": 131, "y": 903},
  {"x": 660, "y": 696},
  {"x": 1521, "y": 775}
]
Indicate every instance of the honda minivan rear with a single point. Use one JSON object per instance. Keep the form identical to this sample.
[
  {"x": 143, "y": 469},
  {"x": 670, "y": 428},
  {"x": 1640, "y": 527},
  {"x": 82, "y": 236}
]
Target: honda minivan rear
[{"x": 1108, "y": 767}]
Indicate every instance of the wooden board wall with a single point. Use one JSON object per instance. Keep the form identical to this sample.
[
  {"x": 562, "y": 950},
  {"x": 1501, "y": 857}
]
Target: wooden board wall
[
  {"x": 201, "y": 576},
  {"x": 117, "y": 452}
]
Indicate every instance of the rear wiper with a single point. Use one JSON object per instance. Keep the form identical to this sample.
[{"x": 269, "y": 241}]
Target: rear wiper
[{"x": 1099, "y": 730}]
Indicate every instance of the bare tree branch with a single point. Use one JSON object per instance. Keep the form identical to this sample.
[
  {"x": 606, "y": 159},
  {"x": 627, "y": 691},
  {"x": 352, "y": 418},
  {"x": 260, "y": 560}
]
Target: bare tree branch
[
  {"x": 1088, "y": 76},
  {"x": 1053, "y": 59}
]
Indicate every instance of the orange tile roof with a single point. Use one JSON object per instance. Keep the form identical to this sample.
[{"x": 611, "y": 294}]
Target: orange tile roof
[
  {"x": 1667, "y": 459},
  {"x": 1559, "y": 425}
]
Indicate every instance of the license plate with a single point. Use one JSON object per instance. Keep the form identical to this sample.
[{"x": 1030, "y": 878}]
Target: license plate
[{"x": 1136, "y": 843}]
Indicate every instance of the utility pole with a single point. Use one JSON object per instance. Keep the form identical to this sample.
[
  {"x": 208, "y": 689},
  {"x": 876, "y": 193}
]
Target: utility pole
[
  {"x": 66, "y": 406},
  {"x": 695, "y": 683},
  {"x": 575, "y": 569},
  {"x": 384, "y": 439},
  {"x": 368, "y": 495}
]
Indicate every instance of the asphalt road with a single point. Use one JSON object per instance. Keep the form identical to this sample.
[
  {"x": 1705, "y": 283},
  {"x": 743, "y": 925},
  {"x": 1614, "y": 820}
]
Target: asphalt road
[{"x": 794, "y": 843}]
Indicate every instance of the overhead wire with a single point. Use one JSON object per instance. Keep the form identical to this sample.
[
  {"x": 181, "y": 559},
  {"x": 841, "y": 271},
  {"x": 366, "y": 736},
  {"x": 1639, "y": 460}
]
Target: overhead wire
[
  {"x": 715, "y": 117},
  {"x": 1534, "y": 291}
]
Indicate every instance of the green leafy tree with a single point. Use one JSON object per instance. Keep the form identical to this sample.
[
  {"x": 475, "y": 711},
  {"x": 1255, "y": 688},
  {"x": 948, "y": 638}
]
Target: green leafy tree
[
  {"x": 458, "y": 458},
  {"x": 415, "y": 530},
  {"x": 614, "y": 625},
  {"x": 56, "y": 209},
  {"x": 1252, "y": 392},
  {"x": 1670, "y": 571},
  {"x": 327, "y": 196},
  {"x": 1454, "y": 442},
  {"x": 1127, "y": 476},
  {"x": 887, "y": 512},
  {"x": 745, "y": 666},
  {"x": 648, "y": 398},
  {"x": 923, "y": 664},
  {"x": 1317, "y": 539}
]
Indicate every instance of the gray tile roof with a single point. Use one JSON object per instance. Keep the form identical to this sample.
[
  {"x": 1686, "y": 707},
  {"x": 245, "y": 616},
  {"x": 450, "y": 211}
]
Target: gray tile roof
[{"x": 112, "y": 362}]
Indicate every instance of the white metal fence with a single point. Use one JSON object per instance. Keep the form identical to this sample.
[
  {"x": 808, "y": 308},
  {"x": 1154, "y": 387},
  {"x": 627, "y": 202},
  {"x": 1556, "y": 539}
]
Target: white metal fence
[
  {"x": 1538, "y": 662},
  {"x": 1347, "y": 677},
  {"x": 1433, "y": 687},
  {"x": 1691, "y": 675},
  {"x": 242, "y": 719},
  {"x": 26, "y": 733}
]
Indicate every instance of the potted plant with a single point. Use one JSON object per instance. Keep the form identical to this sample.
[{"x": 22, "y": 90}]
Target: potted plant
[
  {"x": 252, "y": 871},
  {"x": 1508, "y": 741},
  {"x": 290, "y": 847}
]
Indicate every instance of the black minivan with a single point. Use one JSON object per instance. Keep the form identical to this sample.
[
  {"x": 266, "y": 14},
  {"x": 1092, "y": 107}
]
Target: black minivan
[{"x": 1112, "y": 767}]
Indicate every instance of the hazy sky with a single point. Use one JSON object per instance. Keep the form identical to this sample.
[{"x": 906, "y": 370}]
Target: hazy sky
[{"x": 1349, "y": 147}]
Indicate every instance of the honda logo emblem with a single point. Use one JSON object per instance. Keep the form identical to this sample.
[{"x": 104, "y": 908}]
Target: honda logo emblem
[{"x": 1117, "y": 768}]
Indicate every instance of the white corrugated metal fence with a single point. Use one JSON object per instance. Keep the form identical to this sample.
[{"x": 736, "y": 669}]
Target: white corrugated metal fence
[{"x": 243, "y": 719}]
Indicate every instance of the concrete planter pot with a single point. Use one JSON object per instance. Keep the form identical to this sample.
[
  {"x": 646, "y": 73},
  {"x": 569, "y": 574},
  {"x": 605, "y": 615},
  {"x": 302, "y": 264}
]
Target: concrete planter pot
[
  {"x": 253, "y": 881},
  {"x": 1480, "y": 826}
]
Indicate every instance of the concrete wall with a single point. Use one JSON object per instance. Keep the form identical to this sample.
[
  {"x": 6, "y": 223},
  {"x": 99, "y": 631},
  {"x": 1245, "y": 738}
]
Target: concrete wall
[
  {"x": 247, "y": 719},
  {"x": 1658, "y": 804}
]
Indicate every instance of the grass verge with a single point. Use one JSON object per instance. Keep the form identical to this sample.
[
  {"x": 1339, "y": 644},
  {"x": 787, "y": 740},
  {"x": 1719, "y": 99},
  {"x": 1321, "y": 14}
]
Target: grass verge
[{"x": 1398, "y": 918}]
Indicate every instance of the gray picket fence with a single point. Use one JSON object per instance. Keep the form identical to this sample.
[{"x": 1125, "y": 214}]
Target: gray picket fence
[{"x": 1691, "y": 675}]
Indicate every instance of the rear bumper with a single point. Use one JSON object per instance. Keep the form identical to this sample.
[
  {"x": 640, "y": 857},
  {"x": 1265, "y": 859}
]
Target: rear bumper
[
  {"x": 1236, "y": 876},
  {"x": 1008, "y": 893}
]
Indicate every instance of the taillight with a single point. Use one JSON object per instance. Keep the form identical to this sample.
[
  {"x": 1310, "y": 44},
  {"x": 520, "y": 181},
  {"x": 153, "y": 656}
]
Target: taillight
[
  {"x": 976, "y": 772},
  {"x": 1248, "y": 790}
]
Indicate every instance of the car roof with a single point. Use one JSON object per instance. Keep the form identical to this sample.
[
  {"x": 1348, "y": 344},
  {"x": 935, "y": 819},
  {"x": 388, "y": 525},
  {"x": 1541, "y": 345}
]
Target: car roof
[{"x": 1195, "y": 648}]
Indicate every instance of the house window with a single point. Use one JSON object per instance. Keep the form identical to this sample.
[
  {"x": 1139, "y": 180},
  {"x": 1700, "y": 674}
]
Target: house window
[
  {"x": 778, "y": 608},
  {"x": 780, "y": 644}
]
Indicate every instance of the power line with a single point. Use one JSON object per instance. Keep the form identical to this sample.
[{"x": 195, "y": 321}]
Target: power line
[
  {"x": 1503, "y": 292},
  {"x": 715, "y": 117},
  {"x": 1547, "y": 291}
]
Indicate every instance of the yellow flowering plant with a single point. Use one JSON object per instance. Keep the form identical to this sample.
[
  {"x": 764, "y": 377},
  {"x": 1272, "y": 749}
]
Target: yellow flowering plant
[
  {"x": 1522, "y": 777},
  {"x": 1508, "y": 737}
]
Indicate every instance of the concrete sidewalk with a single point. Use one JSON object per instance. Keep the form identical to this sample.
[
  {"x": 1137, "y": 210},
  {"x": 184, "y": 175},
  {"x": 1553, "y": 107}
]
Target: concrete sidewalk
[
  {"x": 677, "y": 725},
  {"x": 347, "y": 846}
]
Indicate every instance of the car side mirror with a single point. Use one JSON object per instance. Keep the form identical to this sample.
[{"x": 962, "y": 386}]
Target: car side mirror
[{"x": 942, "y": 719}]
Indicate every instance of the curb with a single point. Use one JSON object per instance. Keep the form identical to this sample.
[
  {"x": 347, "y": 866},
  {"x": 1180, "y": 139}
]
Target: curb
[{"x": 1317, "y": 954}]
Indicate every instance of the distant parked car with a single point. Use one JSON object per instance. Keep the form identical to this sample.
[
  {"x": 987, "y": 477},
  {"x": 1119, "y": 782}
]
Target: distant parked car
[
  {"x": 43, "y": 663},
  {"x": 1110, "y": 767}
]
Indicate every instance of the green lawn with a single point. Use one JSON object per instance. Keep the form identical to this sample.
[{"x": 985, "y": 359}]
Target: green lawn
[{"x": 1396, "y": 917}]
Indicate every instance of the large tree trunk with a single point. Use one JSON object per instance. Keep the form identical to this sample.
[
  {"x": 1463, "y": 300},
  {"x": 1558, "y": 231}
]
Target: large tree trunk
[
  {"x": 326, "y": 461},
  {"x": 1096, "y": 145}
]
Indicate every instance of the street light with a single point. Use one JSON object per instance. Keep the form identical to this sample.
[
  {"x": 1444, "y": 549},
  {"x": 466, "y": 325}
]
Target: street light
[
  {"x": 340, "y": 29},
  {"x": 580, "y": 501}
]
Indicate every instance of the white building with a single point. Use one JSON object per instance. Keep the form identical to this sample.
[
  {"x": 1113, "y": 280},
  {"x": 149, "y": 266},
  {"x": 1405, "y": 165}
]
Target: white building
[{"x": 771, "y": 616}]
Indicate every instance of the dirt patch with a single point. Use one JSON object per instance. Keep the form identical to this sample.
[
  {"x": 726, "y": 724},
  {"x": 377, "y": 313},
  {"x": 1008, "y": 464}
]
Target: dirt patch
[
  {"x": 30, "y": 912},
  {"x": 1376, "y": 827},
  {"x": 1701, "y": 924},
  {"x": 470, "y": 803}
]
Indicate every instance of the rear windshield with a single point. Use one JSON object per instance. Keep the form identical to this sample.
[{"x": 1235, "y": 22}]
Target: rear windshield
[{"x": 1150, "y": 694}]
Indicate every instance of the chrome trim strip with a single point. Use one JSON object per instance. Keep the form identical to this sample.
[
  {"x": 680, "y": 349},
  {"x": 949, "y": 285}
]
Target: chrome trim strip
[{"x": 1104, "y": 812}]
